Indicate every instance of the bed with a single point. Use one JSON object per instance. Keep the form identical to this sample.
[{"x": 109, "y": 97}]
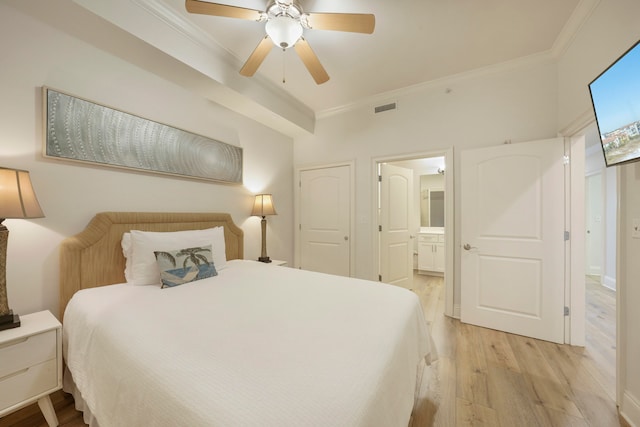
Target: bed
[{"x": 253, "y": 345}]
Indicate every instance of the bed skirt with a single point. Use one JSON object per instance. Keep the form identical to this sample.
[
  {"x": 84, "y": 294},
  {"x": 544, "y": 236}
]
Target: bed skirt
[{"x": 70, "y": 387}]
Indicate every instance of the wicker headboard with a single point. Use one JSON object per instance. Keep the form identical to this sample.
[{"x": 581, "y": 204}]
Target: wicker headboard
[{"x": 94, "y": 257}]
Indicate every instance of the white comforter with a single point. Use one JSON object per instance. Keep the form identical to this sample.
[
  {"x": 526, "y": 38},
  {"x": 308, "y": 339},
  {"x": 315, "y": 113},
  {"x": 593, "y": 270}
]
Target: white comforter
[{"x": 257, "y": 345}]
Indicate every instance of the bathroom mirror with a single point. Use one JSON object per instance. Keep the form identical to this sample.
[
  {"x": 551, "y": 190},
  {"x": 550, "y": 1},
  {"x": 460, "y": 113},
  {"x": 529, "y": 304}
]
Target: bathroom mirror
[
  {"x": 436, "y": 208},
  {"x": 432, "y": 200}
]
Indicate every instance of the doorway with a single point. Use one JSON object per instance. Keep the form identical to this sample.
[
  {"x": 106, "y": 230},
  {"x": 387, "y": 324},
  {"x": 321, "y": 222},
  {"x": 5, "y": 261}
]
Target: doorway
[
  {"x": 432, "y": 182},
  {"x": 600, "y": 210}
]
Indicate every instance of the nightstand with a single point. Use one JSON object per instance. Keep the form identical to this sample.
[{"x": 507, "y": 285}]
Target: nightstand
[{"x": 31, "y": 364}]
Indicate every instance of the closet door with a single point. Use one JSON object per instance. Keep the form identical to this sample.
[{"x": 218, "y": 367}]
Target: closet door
[{"x": 325, "y": 218}]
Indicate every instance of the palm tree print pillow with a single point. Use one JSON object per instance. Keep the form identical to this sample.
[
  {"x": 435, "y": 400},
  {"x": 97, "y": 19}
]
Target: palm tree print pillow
[{"x": 185, "y": 265}]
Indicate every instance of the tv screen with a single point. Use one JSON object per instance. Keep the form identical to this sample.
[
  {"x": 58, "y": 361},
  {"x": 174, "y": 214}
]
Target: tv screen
[{"x": 615, "y": 95}]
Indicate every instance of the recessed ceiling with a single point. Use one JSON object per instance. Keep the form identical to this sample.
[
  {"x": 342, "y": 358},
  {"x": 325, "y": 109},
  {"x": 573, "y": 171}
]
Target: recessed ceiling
[{"x": 415, "y": 41}]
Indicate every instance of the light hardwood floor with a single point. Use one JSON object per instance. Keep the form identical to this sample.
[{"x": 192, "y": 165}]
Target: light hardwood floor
[
  {"x": 489, "y": 378},
  {"x": 484, "y": 377}
]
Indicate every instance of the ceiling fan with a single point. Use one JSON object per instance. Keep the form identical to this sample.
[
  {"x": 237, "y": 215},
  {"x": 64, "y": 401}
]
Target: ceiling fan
[{"x": 285, "y": 23}]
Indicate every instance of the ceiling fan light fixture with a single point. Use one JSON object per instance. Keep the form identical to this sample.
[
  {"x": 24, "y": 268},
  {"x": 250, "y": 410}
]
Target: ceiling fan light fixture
[{"x": 284, "y": 31}]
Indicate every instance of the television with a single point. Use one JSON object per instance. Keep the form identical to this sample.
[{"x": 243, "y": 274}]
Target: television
[{"x": 615, "y": 95}]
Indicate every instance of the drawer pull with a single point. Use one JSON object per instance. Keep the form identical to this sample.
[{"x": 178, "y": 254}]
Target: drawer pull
[
  {"x": 14, "y": 342},
  {"x": 13, "y": 374}
]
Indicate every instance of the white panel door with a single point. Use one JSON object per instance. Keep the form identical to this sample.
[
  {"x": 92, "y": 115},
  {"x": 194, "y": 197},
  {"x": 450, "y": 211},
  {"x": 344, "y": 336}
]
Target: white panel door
[
  {"x": 512, "y": 260},
  {"x": 325, "y": 218},
  {"x": 396, "y": 245},
  {"x": 594, "y": 213}
]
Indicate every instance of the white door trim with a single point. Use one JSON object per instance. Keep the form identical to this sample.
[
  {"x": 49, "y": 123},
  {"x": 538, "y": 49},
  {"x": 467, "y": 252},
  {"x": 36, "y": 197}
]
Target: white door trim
[
  {"x": 575, "y": 323},
  {"x": 296, "y": 214},
  {"x": 449, "y": 273}
]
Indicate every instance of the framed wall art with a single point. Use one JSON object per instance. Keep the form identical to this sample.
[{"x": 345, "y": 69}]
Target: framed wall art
[{"x": 83, "y": 131}]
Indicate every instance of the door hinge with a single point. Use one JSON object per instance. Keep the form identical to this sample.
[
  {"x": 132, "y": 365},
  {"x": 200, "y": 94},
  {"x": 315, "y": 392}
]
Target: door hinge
[
  {"x": 565, "y": 160},
  {"x": 379, "y": 228},
  {"x": 300, "y": 227},
  {"x": 566, "y": 235},
  {"x": 379, "y": 178},
  {"x": 379, "y": 277},
  {"x": 300, "y": 184},
  {"x": 566, "y": 310}
]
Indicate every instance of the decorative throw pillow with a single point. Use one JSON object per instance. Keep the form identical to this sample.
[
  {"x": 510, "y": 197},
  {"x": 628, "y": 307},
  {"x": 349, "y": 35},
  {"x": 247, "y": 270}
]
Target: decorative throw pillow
[
  {"x": 181, "y": 266},
  {"x": 144, "y": 270}
]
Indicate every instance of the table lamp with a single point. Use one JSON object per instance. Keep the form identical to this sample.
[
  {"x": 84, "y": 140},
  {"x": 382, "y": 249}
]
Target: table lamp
[
  {"x": 262, "y": 206},
  {"x": 17, "y": 200}
]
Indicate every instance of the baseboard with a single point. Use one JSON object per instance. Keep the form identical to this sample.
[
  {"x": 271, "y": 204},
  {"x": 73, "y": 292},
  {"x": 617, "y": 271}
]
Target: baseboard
[
  {"x": 609, "y": 282},
  {"x": 630, "y": 410}
]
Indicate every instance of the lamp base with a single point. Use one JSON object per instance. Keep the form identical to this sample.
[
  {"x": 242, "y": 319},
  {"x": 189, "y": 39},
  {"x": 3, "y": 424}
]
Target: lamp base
[
  {"x": 264, "y": 259},
  {"x": 9, "y": 321}
]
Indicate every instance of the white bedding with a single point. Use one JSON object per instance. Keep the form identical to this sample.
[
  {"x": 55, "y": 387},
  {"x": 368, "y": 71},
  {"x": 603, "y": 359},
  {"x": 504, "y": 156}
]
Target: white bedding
[{"x": 257, "y": 345}]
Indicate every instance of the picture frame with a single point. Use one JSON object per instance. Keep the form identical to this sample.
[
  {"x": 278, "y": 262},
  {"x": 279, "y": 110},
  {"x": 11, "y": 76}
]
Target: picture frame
[{"x": 79, "y": 130}]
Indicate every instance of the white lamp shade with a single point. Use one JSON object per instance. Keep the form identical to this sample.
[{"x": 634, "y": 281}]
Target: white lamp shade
[
  {"x": 284, "y": 31},
  {"x": 263, "y": 205},
  {"x": 17, "y": 198}
]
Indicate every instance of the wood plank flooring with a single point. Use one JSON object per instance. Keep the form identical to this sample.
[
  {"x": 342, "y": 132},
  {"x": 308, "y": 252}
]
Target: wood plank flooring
[
  {"x": 485, "y": 377},
  {"x": 32, "y": 417},
  {"x": 489, "y": 378}
]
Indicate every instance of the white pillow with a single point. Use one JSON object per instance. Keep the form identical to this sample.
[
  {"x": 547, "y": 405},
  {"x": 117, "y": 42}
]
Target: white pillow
[
  {"x": 144, "y": 270},
  {"x": 127, "y": 252}
]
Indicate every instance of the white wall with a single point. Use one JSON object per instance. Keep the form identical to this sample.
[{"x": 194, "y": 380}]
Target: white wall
[
  {"x": 610, "y": 31},
  {"x": 36, "y": 54},
  {"x": 519, "y": 104}
]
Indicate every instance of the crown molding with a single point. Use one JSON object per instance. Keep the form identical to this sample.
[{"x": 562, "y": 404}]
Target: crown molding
[
  {"x": 178, "y": 23},
  {"x": 579, "y": 124},
  {"x": 394, "y": 95},
  {"x": 580, "y": 15},
  {"x": 167, "y": 30}
]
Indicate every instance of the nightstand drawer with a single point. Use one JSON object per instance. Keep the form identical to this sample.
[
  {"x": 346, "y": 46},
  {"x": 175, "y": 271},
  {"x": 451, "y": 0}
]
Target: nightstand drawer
[
  {"x": 27, "y": 383},
  {"x": 25, "y": 352}
]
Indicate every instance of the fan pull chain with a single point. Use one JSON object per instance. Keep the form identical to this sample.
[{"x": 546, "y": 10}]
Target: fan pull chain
[{"x": 283, "y": 67}]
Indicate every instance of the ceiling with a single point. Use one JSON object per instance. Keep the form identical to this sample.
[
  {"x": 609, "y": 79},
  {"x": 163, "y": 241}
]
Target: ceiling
[{"x": 415, "y": 42}]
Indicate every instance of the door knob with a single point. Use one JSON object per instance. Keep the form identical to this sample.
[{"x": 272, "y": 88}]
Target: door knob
[
  {"x": 346, "y": 237},
  {"x": 468, "y": 247}
]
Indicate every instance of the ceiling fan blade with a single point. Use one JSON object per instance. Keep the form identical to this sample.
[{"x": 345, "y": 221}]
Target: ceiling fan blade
[
  {"x": 352, "y": 22},
  {"x": 255, "y": 60},
  {"x": 215, "y": 9},
  {"x": 311, "y": 61}
]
